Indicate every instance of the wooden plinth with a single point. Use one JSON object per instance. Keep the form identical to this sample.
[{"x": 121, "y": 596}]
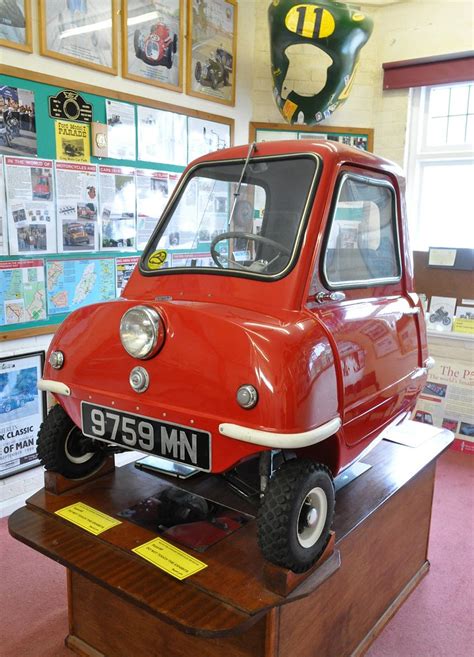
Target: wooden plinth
[{"x": 120, "y": 605}]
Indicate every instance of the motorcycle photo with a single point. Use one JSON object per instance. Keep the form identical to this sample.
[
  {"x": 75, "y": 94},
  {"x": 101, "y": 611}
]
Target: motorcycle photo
[
  {"x": 440, "y": 315},
  {"x": 9, "y": 126}
]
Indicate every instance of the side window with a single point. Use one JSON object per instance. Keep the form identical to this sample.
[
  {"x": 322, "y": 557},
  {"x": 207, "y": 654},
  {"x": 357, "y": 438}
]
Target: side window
[{"x": 362, "y": 246}]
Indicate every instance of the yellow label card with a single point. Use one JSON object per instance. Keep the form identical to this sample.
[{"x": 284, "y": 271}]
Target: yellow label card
[
  {"x": 93, "y": 521},
  {"x": 169, "y": 558}
]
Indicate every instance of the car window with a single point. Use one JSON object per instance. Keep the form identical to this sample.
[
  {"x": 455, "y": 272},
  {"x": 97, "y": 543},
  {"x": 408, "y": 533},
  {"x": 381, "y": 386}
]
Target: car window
[
  {"x": 362, "y": 245},
  {"x": 222, "y": 223}
]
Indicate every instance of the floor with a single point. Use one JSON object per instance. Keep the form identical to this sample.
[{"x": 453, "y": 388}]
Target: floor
[{"x": 436, "y": 621}]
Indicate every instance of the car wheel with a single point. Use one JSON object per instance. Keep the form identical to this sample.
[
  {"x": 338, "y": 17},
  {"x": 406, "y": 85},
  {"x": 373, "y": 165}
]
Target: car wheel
[
  {"x": 63, "y": 448},
  {"x": 7, "y": 408},
  {"x": 295, "y": 517},
  {"x": 198, "y": 71},
  {"x": 169, "y": 57},
  {"x": 214, "y": 81},
  {"x": 175, "y": 44}
]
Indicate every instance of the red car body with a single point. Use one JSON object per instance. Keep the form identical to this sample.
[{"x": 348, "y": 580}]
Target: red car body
[{"x": 356, "y": 365}]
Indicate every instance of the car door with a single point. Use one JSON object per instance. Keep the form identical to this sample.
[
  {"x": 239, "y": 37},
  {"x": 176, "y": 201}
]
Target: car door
[{"x": 363, "y": 304}]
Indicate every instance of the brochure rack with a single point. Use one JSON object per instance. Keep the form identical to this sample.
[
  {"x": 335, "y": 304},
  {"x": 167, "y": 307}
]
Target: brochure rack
[{"x": 119, "y": 604}]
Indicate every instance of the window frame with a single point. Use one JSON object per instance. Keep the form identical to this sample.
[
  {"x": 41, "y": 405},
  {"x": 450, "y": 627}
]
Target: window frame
[
  {"x": 364, "y": 283},
  {"x": 418, "y": 155}
]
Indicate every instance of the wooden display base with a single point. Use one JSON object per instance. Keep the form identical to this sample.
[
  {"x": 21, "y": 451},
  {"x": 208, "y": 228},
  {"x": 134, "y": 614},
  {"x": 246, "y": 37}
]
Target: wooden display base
[{"x": 121, "y": 605}]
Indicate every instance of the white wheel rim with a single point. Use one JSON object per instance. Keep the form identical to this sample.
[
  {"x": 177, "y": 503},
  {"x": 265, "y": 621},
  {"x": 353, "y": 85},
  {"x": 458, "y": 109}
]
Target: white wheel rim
[
  {"x": 312, "y": 517},
  {"x": 83, "y": 458}
]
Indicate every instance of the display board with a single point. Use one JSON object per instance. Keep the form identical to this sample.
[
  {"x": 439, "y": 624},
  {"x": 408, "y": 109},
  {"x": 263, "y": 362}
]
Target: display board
[
  {"x": 72, "y": 225},
  {"x": 362, "y": 138}
]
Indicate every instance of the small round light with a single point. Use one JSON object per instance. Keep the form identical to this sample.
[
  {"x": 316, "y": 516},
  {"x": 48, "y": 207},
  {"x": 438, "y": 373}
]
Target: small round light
[
  {"x": 142, "y": 332},
  {"x": 247, "y": 396},
  {"x": 56, "y": 359},
  {"x": 139, "y": 379}
]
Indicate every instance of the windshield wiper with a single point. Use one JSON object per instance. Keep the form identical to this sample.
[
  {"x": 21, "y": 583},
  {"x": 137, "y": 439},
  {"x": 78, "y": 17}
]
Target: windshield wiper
[{"x": 252, "y": 148}]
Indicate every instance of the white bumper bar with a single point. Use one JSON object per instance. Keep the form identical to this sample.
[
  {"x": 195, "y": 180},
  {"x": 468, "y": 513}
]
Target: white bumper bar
[
  {"x": 54, "y": 386},
  {"x": 281, "y": 440}
]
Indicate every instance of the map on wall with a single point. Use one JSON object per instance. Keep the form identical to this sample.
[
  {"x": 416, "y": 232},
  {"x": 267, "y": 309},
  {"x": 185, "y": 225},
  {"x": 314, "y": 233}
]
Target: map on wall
[
  {"x": 22, "y": 291},
  {"x": 72, "y": 284}
]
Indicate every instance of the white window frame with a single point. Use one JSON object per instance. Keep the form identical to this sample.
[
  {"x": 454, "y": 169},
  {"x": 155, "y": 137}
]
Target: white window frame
[{"x": 419, "y": 155}]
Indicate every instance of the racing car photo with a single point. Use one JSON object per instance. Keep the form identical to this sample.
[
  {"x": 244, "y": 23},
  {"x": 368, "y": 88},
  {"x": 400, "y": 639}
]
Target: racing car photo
[
  {"x": 157, "y": 47},
  {"x": 216, "y": 72}
]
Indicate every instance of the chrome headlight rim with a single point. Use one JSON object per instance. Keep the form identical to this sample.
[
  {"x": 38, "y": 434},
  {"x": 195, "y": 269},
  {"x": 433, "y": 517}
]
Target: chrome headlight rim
[{"x": 157, "y": 323}]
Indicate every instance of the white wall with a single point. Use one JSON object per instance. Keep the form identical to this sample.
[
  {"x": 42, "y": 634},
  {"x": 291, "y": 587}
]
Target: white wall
[{"x": 402, "y": 30}]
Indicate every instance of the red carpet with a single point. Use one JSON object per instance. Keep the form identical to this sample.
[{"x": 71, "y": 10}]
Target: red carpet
[{"x": 436, "y": 621}]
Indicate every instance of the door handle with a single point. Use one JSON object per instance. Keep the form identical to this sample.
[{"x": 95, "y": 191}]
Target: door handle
[{"x": 324, "y": 297}]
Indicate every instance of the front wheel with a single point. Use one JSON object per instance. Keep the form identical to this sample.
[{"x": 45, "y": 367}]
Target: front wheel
[
  {"x": 295, "y": 518},
  {"x": 63, "y": 448}
]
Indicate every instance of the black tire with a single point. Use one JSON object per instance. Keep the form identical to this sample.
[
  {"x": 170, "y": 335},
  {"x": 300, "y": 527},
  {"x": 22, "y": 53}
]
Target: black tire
[
  {"x": 63, "y": 448},
  {"x": 214, "y": 80},
  {"x": 446, "y": 321},
  {"x": 169, "y": 57},
  {"x": 198, "y": 71},
  {"x": 281, "y": 521},
  {"x": 175, "y": 44},
  {"x": 136, "y": 44}
]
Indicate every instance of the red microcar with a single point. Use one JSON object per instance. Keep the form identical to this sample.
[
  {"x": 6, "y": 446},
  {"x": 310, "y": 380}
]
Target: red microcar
[{"x": 282, "y": 325}]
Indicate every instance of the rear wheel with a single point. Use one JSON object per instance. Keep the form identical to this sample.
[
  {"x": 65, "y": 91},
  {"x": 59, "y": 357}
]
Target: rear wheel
[
  {"x": 295, "y": 518},
  {"x": 198, "y": 71},
  {"x": 63, "y": 448}
]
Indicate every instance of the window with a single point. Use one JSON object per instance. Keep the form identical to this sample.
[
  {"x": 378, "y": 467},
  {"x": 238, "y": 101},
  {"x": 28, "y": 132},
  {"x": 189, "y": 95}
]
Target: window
[
  {"x": 440, "y": 166},
  {"x": 362, "y": 246},
  {"x": 222, "y": 222}
]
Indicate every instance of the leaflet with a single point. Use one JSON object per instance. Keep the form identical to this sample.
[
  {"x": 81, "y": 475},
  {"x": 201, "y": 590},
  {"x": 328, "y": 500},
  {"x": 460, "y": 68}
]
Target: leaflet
[
  {"x": 78, "y": 228},
  {"x": 3, "y": 212},
  {"x": 30, "y": 205},
  {"x": 117, "y": 208},
  {"x": 152, "y": 196},
  {"x": 121, "y": 130},
  {"x": 22, "y": 291}
]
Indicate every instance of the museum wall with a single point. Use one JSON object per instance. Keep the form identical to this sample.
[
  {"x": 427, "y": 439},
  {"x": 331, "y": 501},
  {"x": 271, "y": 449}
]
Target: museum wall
[{"x": 402, "y": 30}]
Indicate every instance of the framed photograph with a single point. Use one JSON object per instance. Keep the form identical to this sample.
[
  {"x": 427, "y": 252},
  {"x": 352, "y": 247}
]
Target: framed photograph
[
  {"x": 152, "y": 42},
  {"x": 212, "y": 49},
  {"x": 362, "y": 138},
  {"x": 22, "y": 410},
  {"x": 80, "y": 32},
  {"x": 15, "y": 24}
]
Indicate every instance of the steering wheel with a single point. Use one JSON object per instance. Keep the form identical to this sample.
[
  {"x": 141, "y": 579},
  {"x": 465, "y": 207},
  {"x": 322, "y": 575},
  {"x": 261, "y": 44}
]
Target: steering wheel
[{"x": 216, "y": 256}]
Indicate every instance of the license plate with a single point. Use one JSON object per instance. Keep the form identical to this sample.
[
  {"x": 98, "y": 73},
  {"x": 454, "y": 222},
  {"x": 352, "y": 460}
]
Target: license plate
[{"x": 172, "y": 441}]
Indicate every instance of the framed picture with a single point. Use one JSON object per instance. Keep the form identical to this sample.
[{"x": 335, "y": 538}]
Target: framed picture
[
  {"x": 15, "y": 24},
  {"x": 212, "y": 49},
  {"x": 362, "y": 138},
  {"x": 80, "y": 32},
  {"x": 152, "y": 42},
  {"x": 22, "y": 410}
]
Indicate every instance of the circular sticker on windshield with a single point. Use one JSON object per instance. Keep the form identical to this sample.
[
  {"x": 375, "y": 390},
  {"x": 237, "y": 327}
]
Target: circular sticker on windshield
[{"x": 157, "y": 259}]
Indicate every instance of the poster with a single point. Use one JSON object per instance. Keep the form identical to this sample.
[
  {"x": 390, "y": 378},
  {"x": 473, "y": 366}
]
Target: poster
[
  {"x": 22, "y": 410},
  {"x": 121, "y": 130},
  {"x": 153, "y": 41},
  {"x": 447, "y": 401},
  {"x": 123, "y": 270},
  {"x": 442, "y": 310},
  {"x": 212, "y": 51},
  {"x": 358, "y": 141},
  {"x": 72, "y": 141},
  {"x": 15, "y": 24},
  {"x": 30, "y": 205},
  {"x": 79, "y": 31},
  {"x": 206, "y": 137},
  {"x": 17, "y": 121},
  {"x": 3, "y": 212},
  {"x": 22, "y": 291},
  {"x": 152, "y": 196},
  {"x": 77, "y": 206},
  {"x": 162, "y": 136},
  {"x": 72, "y": 284},
  {"x": 117, "y": 208}
]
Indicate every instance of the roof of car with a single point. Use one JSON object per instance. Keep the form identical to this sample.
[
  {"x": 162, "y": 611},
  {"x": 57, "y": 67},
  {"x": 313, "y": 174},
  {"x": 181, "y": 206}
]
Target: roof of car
[{"x": 325, "y": 148}]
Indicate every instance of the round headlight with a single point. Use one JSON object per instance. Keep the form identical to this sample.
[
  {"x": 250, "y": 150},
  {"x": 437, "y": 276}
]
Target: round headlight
[{"x": 142, "y": 332}]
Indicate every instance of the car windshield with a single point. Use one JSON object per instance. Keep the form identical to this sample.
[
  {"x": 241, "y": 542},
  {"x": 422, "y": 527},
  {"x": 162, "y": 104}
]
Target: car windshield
[{"x": 251, "y": 228}]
